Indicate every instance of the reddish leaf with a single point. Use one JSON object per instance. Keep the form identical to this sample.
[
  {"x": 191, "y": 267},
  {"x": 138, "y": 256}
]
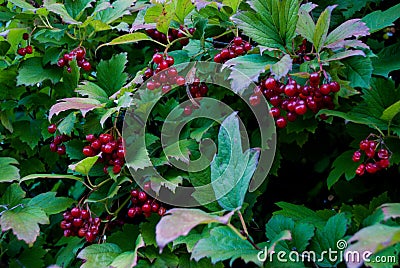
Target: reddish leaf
[
  {"x": 83, "y": 104},
  {"x": 348, "y": 29}
]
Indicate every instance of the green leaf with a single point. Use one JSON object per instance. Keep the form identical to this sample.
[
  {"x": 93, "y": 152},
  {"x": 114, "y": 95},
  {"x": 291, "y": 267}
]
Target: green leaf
[
  {"x": 13, "y": 196},
  {"x": 71, "y": 78},
  {"x": 282, "y": 67},
  {"x": 76, "y": 8},
  {"x": 127, "y": 39},
  {"x": 28, "y": 131},
  {"x": 379, "y": 19},
  {"x": 92, "y": 91},
  {"x": 305, "y": 25},
  {"x": 114, "y": 11},
  {"x": 327, "y": 238},
  {"x": 99, "y": 255},
  {"x": 391, "y": 210},
  {"x": 179, "y": 221},
  {"x": 128, "y": 259},
  {"x": 50, "y": 176},
  {"x": 84, "y": 166},
  {"x": 23, "y": 4},
  {"x": 301, "y": 233},
  {"x": 8, "y": 171},
  {"x": 32, "y": 72},
  {"x": 321, "y": 28},
  {"x": 51, "y": 204},
  {"x": 387, "y": 60},
  {"x": 66, "y": 126},
  {"x": 24, "y": 222},
  {"x": 300, "y": 213},
  {"x": 390, "y": 112},
  {"x": 223, "y": 244},
  {"x": 348, "y": 29},
  {"x": 359, "y": 71},
  {"x": 271, "y": 23},
  {"x": 182, "y": 9},
  {"x": 110, "y": 73},
  {"x": 231, "y": 169},
  {"x": 59, "y": 9},
  {"x": 161, "y": 14},
  {"x": 342, "y": 165},
  {"x": 372, "y": 239}
]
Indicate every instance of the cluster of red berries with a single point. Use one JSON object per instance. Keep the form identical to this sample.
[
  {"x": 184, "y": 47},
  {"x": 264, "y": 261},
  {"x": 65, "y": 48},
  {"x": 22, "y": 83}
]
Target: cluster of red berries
[
  {"x": 198, "y": 90},
  {"x": 111, "y": 151},
  {"x": 166, "y": 79},
  {"x": 79, "y": 54},
  {"x": 295, "y": 99},
  {"x": 78, "y": 222},
  {"x": 56, "y": 145},
  {"x": 142, "y": 204},
  {"x": 376, "y": 159},
  {"x": 173, "y": 34},
  {"x": 236, "y": 48},
  {"x": 22, "y": 51},
  {"x": 301, "y": 53}
]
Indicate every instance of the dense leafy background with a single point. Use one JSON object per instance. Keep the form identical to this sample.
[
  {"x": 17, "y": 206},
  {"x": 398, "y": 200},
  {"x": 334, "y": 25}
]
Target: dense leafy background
[{"x": 312, "y": 197}]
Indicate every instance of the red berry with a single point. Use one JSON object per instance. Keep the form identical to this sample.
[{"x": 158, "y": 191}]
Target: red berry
[
  {"x": 148, "y": 73},
  {"x": 75, "y": 212},
  {"x": 105, "y": 138},
  {"x": 80, "y": 53},
  {"x": 90, "y": 236},
  {"x": 301, "y": 109},
  {"x": 161, "y": 211},
  {"x": 356, "y": 156},
  {"x": 163, "y": 65},
  {"x": 117, "y": 169},
  {"x": 372, "y": 145},
  {"x": 61, "y": 62},
  {"x": 146, "y": 208},
  {"x": 224, "y": 53},
  {"x": 52, "y": 128},
  {"x": 53, "y": 147},
  {"x": 180, "y": 81},
  {"x": 291, "y": 117},
  {"x": 105, "y": 169},
  {"x": 275, "y": 112},
  {"x": 217, "y": 58},
  {"x": 314, "y": 79},
  {"x": 155, "y": 207},
  {"x": 77, "y": 222},
  {"x": 85, "y": 214},
  {"x": 147, "y": 186},
  {"x": 281, "y": 122},
  {"x": 170, "y": 60},
  {"x": 88, "y": 151},
  {"x": 25, "y": 36},
  {"x": 370, "y": 153},
  {"x": 187, "y": 110},
  {"x": 82, "y": 232},
  {"x": 157, "y": 58},
  {"x": 172, "y": 72},
  {"x": 237, "y": 41},
  {"x": 121, "y": 153},
  {"x": 371, "y": 168},
  {"x": 131, "y": 212},
  {"x": 290, "y": 90},
  {"x": 360, "y": 170},
  {"x": 134, "y": 193},
  {"x": 254, "y": 100},
  {"x": 239, "y": 51},
  {"x": 142, "y": 196},
  {"x": 67, "y": 233},
  {"x": 21, "y": 51},
  {"x": 61, "y": 150},
  {"x": 383, "y": 163},
  {"x": 96, "y": 144},
  {"x": 270, "y": 83},
  {"x": 150, "y": 85},
  {"x": 29, "y": 50},
  {"x": 90, "y": 137},
  {"x": 68, "y": 57},
  {"x": 247, "y": 46},
  {"x": 335, "y": 87},
  {"x": 65, "y": 225},
  {"x": 325, "y": 89},
  {"x": 364, "y": 145},
  {"x": 86, "y": 66},
  {"x": 108, "y": 148},
  {"x": 166, "y": 88},
  {"x": 383, "y": 154}
]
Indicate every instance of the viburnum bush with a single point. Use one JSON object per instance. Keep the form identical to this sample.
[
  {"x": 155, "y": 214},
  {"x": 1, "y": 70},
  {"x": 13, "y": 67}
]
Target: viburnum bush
[{"x": 72, "y": 71}]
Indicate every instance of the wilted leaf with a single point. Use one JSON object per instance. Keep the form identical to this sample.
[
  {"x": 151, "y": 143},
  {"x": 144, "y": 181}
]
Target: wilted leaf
[
  {"x": 179, "y": 221},
  {"x": 351, "y": 28},
  {"x": 282, "y": 67},
  {"x": 305, "y": 25},
  {"x": 83, "y": 104},
  {"x": 24, "y": 222}
]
